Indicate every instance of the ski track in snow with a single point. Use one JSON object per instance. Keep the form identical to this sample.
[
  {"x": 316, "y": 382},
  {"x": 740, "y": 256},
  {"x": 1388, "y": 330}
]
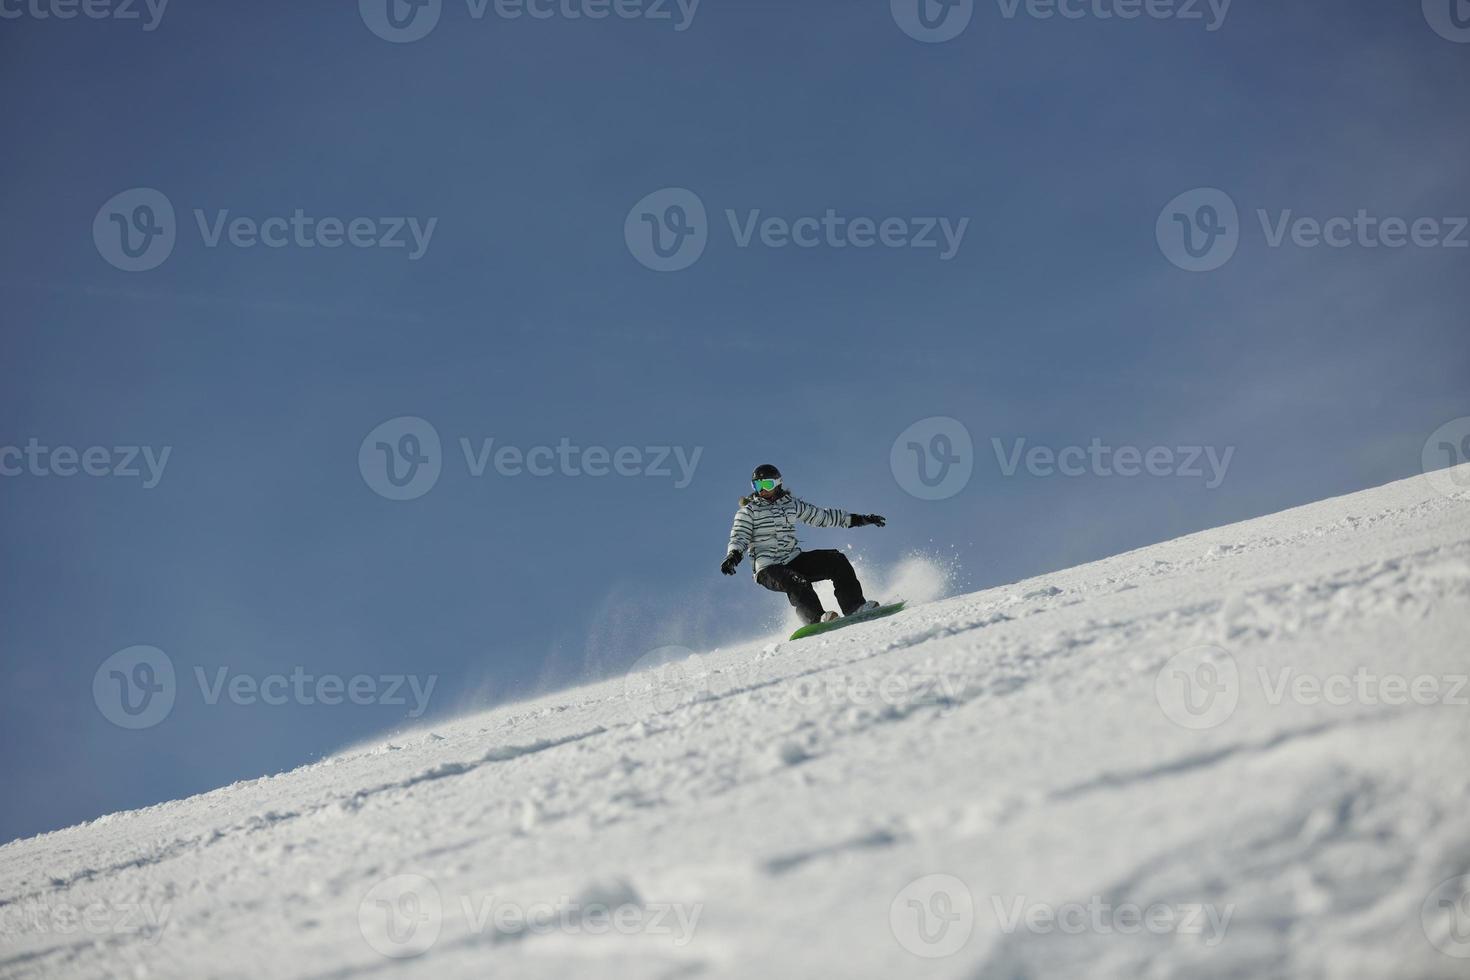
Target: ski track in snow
[{"x": 789, "y": 792}]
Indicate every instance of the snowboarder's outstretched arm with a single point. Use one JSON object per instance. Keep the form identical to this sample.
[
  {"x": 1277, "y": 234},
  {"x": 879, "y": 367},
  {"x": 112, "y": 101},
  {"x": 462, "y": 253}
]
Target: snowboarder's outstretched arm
[
  {"x": 832, "y": 517},
  {"x": 822, "y": 516}
]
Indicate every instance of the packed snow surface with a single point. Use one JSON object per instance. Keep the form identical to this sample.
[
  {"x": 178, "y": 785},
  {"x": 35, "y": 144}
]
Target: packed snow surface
[{"x": 1240, "y": 753}]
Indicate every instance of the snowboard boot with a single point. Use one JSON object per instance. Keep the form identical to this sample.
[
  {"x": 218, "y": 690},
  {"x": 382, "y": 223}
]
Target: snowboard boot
[
  {"x": 827, "y": 617},
  {"x": 866, "y": 607}
]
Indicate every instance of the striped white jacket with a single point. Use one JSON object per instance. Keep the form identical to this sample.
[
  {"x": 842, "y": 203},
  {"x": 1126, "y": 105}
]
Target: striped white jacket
[{"x": 766, "y": 530}]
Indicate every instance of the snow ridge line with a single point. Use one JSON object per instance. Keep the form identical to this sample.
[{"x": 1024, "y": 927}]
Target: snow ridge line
[
  {"x": 901, "y": 644},
  {"x": 790, "y": 861},
  {"x": 273, "y": 817},
  {"x": 1167, "y": 568},
  {"x": 502, "y": 753},
  {"x": 1113, "y": 779},
  {"x": 161, "y": 854}
]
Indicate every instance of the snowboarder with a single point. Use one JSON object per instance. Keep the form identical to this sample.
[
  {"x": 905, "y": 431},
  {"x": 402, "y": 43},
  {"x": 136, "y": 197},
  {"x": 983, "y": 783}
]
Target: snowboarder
[{"x": 765, "y": 526}]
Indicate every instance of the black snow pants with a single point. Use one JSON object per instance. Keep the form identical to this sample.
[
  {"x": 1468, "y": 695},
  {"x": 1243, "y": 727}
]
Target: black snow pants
[{"x": 795, "y": 578}]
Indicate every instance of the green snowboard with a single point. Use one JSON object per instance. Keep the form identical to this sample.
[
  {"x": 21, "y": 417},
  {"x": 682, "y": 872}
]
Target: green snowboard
[{"x": 842, "y": 621}]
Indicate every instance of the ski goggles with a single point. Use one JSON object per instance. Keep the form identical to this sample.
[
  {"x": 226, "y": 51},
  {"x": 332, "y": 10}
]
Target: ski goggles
[{"x": 766, "y": 485}]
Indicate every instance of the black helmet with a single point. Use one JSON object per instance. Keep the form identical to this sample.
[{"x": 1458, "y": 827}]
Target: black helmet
[{"x": 766, "y": 471}]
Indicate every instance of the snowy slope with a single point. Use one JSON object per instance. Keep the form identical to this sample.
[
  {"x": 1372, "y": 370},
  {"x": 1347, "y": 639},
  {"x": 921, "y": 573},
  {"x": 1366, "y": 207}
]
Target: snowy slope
[{"x": 1005, "y": 784}]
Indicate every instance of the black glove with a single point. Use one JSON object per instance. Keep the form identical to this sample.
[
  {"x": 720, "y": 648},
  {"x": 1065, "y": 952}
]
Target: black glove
[
  {"x": 858, "y": 520},
  {"x": 731, "y": 560}
]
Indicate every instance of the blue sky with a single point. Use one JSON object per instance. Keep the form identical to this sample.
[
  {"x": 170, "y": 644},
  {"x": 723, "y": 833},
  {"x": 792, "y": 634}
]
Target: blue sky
[{"x": 527, "y": 319}]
